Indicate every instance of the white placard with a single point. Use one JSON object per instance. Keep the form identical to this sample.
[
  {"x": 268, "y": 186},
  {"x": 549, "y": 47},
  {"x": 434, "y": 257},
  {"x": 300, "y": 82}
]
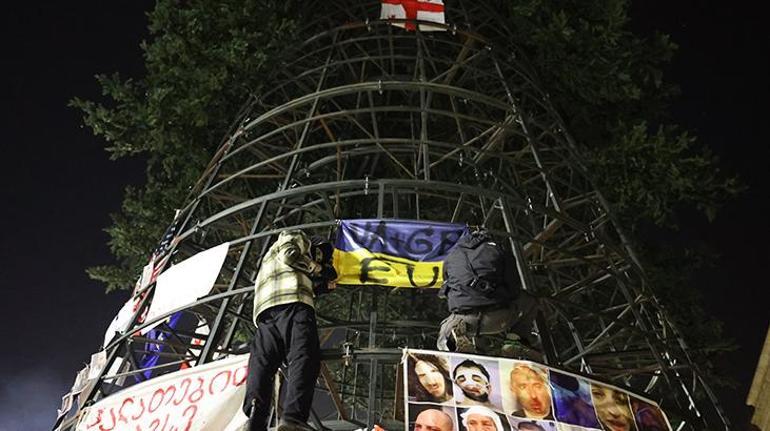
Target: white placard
[
  {"x": 98, "y": 362},
  {"x": 186, "y": 281},
  {"x": 121, "y": 320}
]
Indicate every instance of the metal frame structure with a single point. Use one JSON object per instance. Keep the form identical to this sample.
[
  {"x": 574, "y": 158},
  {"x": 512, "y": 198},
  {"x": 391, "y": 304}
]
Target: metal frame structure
[{"x": 367, "y": 120}]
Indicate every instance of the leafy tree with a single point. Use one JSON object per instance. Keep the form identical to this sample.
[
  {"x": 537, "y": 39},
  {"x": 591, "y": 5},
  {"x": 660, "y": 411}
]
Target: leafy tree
[
  {"x": 608, "y": 84},
  {"x": 204, "y": 58},
  {"x": 203, "y": 61}
]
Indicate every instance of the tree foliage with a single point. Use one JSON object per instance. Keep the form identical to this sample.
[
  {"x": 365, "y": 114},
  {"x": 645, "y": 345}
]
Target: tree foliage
[
  {"x": 204, "y": 58},
  {"x": 608, "y": 84}
]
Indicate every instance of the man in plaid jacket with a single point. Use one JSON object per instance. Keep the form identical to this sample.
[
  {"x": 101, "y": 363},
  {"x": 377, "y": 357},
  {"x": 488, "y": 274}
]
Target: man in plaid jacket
[{"x": 286, "y": 331}]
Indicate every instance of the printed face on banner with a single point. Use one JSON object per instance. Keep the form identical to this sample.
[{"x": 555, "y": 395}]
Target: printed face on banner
[
  {"x": 477, "y": 383},
  {"x": 572, "y": 400},
  {"x": 520, "y": 424},
  {"x": 476, "y": 393},
  {"x": 529, "y": 393},
  {"x": 428, "y": 378},
  {"x": 428, "y": 417},
  {"x": 613, "y": 408},
  {"x": 648, "y": 416},
  {"x": 479, "y": 418},
  {"x": 431, "y": 378}
]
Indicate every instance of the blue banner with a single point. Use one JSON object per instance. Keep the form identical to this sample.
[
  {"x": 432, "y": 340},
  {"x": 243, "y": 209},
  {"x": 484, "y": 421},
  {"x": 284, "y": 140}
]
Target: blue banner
[{"x": 395, "y": 253}]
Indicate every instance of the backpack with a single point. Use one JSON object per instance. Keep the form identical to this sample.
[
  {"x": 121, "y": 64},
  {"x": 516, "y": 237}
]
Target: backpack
[{"x": 479, "y": 272}]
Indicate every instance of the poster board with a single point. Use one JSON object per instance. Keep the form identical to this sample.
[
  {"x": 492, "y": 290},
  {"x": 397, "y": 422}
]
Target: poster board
[{"x": 462, "y": 392}]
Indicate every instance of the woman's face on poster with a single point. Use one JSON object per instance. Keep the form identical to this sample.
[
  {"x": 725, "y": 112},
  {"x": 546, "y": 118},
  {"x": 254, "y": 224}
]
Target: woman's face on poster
[
  {"x": 430, "y": 378},
  {"x": 612, "y": 408}
]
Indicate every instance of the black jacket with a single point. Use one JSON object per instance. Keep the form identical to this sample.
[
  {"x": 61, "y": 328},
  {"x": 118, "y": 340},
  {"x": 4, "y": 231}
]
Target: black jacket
[{"x": 479, "y": 274}]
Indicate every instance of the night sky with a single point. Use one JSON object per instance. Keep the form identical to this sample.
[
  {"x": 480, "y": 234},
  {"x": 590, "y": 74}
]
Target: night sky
[{"x": 58, "y": 187}]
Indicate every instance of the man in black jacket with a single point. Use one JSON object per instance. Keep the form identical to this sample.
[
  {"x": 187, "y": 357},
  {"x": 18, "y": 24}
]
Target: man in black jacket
[{"x": 483, "y": 293}]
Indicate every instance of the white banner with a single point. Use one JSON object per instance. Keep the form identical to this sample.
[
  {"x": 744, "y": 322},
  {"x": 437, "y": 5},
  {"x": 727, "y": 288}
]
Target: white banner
[
  {"x": 205, "y": 398},
  {"x": 186, "y": 281}
]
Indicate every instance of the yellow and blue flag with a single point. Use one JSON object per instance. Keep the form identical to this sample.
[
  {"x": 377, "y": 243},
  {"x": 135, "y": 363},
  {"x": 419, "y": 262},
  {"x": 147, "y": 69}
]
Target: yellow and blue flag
[{"x": 393, "y": 253}]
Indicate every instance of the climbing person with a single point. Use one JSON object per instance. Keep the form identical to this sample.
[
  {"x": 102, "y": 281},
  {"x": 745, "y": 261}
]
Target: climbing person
[
  {"x": 484, "y": 297},
  {"x": 286, "y": 331}
]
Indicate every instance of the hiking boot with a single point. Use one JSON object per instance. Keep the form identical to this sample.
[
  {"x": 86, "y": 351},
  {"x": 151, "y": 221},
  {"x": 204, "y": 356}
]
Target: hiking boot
[
  {"x": 290, "y": 425},
  {"x": 518, "y": 350},
  {"x": 463, "y": 343}
]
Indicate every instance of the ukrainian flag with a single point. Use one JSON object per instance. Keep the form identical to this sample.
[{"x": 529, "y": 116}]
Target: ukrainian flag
[{"x": 393, "y": 253}]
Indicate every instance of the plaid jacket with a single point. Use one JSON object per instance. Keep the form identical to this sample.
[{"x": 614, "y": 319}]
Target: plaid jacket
[{"x": 283, "y": 277}]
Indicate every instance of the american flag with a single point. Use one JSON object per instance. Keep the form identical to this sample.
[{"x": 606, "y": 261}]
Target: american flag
[{"x": 161, "y": 254}]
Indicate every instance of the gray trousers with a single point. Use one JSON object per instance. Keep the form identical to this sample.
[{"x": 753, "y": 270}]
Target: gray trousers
[{"x": 462, "y": 330}]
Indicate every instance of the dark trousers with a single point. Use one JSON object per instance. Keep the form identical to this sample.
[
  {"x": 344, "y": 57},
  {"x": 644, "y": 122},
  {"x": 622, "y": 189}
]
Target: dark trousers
[{"x": 284, "y": 333}]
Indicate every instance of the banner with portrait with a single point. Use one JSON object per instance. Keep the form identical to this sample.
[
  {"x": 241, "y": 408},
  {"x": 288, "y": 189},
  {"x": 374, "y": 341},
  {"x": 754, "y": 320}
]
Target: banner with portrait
[
  {"x": 446, "y": 391},
  {"x": 394, "y": 253}
]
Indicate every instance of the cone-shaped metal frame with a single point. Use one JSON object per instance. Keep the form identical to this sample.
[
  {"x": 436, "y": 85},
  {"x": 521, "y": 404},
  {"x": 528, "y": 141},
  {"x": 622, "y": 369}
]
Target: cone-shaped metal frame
[{"x": 367, "y": 120}]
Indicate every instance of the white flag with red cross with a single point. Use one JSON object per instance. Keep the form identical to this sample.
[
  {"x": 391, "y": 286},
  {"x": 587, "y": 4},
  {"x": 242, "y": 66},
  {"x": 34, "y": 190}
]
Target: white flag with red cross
[{"x": 414, "y": 10}]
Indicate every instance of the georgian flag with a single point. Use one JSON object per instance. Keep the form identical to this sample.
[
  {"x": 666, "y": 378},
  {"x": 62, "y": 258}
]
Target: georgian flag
[{"x": 420, "y": 10}]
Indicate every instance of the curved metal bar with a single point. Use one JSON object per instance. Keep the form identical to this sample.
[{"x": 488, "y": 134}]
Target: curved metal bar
[{"x": 366, "y": 120}]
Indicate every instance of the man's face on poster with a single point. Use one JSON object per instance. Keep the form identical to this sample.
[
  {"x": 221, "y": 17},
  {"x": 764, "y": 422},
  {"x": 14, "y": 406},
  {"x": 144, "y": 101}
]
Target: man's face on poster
[
  {"x": 433, "y": 420},
  {"x": 531, "y": 391},
  {"x": 474, "y": 384},
  {"x": 480, "y": 422}
]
